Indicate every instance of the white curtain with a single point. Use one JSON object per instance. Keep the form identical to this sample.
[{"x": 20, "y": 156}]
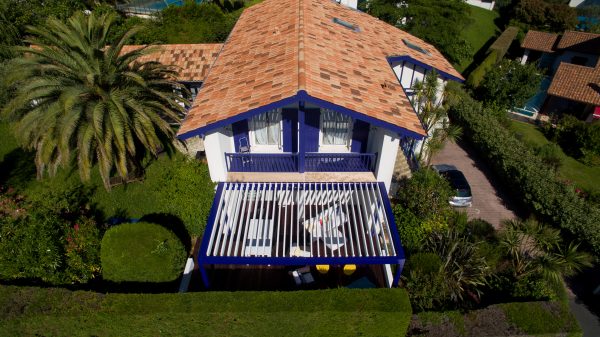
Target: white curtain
[
  {"x": 335, "y": 127},
  {"x": 267, "y": 128}
]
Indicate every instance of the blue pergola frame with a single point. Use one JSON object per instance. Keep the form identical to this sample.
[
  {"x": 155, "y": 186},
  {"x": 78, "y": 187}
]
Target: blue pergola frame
[{"x": 204, "y": 259}]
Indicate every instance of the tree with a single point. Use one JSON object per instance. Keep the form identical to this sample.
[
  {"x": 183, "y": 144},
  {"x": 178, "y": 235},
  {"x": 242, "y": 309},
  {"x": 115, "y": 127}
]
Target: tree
[
  {"x": 534, "y": 248},
  {"x": 555, "y": 16},
  {"x": 437, "y": 22},
  {"x": 433, "y": 115},
  {"x": 510, "y": 84},
  {"x": 426, "y": 195},
  {"x": 79, "y": 99}
]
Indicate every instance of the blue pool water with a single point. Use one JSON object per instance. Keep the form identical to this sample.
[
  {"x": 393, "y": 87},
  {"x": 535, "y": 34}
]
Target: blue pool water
[
  {"x": 534, "y": 104},
  {"x": 150, "y": 6}
]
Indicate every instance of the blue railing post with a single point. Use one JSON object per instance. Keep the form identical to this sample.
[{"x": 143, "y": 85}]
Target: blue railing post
[{"x": 301, "y": 153}]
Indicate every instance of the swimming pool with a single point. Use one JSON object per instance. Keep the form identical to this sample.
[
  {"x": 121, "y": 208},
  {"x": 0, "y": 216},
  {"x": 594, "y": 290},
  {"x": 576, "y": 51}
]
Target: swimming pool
[
  {"x": 149, "y": 6},
  {"x": 534, "y": 104}
]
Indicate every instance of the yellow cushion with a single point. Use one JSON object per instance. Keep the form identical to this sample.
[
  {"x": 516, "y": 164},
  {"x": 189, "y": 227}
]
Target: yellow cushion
[
  {"x": 323, "y": 268},
  {"x": 349, "y": 269}
]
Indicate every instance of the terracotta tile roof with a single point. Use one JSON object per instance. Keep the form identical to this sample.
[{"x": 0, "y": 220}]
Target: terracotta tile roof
[
  {"x": 580, "y": 41},
  {"x": 577, "y": 83},
  {"x": 539, "y": 41},
  {"x": 278, "y": 48},
  {"x": 192, "y": 60}
]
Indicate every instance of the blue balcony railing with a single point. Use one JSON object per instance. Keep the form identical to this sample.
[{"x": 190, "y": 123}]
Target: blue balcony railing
[
  {"x": 262, "y": 162},
  {"x": 288, "y": 162},
  {"x": 339, "y": 162}
]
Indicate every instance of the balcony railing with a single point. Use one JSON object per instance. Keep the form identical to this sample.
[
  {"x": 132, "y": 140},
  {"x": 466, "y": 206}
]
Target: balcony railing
[
  {"x": 288, "y": 162},
  {"x": 339, "y": 162}
]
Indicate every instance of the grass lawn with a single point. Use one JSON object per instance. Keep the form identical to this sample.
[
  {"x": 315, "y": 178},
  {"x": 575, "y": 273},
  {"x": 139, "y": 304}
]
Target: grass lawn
[
  {"x": 174, "y": 187},
  {"x": 478, "y": 32},
  {"x": 583, "y": 176},
  {"x": 58, "y": 312}
]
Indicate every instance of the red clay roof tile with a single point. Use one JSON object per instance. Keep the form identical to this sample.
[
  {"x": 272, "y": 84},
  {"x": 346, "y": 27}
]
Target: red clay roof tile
[
  {"x": 577, "y": 83},
  {"x": 278, "y": 48},
  {"x": 540, "y": 41}
]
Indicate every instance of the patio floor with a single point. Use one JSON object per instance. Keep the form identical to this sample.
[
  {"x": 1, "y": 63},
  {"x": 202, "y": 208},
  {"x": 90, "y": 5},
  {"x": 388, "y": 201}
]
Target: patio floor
[{"x": 277, "y": 278}]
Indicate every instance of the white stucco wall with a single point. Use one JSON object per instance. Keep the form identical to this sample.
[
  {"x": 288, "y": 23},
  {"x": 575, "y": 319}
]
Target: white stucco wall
[
  {"x": 575, "y": 3},
  {"x": 386, "y": 144},
  {"x": 489, "y": 5},
  {"x": 216, "y": 144}
]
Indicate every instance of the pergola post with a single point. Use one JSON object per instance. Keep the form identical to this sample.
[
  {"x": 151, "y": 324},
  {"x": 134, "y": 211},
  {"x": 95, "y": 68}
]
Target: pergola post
[
  {"x": 399, "y": 268},
  {"x": 203, "y": 274}
]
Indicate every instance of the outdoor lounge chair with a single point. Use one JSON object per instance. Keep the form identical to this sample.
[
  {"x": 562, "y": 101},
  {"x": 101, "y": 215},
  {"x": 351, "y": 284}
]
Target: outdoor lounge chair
[{"x": 302, "y": 276}]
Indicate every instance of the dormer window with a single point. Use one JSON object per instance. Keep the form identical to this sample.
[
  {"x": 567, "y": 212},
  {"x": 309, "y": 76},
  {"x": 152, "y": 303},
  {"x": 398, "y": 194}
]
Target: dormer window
[
  {"x": 415, "y": 47},
  {"x": 346, "y": 24}
]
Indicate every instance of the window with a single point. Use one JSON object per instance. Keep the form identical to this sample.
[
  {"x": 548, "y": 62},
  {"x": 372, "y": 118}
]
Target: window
[
  {"x": 346, "y": 24},
  {"x": 335, "y": 128},
  {"x": 415, "y": 47},
  {"x": 266, "y": 128}
]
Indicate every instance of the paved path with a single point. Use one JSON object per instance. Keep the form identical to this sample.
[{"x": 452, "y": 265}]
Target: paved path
[{"x": 489, "y": 200}]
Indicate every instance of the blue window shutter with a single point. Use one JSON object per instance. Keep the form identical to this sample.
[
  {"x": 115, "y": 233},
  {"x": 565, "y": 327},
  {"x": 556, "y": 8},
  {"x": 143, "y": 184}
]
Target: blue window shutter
[
  {"x": 360, "y": 136},
  {"x": 240, "y": 129},
  {"x": 311, "y": 130},
  {"x": 290, "y": 130}
]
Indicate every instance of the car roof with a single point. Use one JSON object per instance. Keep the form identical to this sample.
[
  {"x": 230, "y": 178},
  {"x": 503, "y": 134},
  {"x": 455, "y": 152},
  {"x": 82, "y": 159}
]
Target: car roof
[{"x": 457, "y": 179}]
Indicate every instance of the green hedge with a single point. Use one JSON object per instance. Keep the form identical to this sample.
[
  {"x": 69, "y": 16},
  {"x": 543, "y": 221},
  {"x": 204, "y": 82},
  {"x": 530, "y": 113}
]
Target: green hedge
[
  {"x": 525, "y": 175},
  {"x": 507, "y": 319},
  {"x": 478, "y": 73},
  {"x": 141, "y": 252},
  {"x": 503, "y": 42},
  {"x": 344, "y": 312}
]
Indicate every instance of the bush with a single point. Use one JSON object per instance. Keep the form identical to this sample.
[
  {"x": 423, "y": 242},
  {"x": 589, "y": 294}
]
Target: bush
[
  {"x": 426, "y": 195},
  {"x": 532, "y": 183},
  {"x": 578, "y": 138},
  {"x": 55, "y": 246},
  {"x": 508, "y": 319},
  {"x": 331, "y": 312},
  {"x": 480, "y": 229},
  {"x": 503, "y": 42},
  {"x": 550, "y": 155},
  {"x": 477, "y": 75},
  {"x": 141, "y": 252}
]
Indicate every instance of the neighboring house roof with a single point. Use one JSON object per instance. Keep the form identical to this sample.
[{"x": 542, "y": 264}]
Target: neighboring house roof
[
  {"x": 279, "y": 51},
  {"x": 192, "y": 60},
  {"x": 549, "y": 42},
  {"x": 540, "y": 41},
  {"x": 580, "y": 41},
  {"x": 577, "y": 83}
]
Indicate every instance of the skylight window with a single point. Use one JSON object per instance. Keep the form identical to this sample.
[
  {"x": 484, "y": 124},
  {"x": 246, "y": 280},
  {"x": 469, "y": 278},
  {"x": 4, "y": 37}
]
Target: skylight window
[
  {"x": 415, "y": 47},
  {"x": 346, "y": 24}
]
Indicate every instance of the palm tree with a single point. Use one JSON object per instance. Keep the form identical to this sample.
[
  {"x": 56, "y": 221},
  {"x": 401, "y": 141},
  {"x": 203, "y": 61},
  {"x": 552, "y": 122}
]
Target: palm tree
[
  {"x": 433, "y": 115},
  {"x": 533, "y": 248},
  {"x": 79, "y": 99}
]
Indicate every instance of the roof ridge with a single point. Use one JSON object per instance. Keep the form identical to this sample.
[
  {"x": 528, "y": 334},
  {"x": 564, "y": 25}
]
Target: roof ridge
[{"x": 301, "y": 59}]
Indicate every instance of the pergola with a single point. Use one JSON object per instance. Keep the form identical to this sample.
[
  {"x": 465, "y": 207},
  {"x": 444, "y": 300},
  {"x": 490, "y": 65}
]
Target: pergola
[{"x": 301, "y": 224}]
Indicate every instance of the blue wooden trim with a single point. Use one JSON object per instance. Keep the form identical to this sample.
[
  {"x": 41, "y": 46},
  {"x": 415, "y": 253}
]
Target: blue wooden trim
[
  {"x": 245, "y": 115},
  {"x": 391, "y": 221},
  {"x": 360, "y": 136},
  {"x": 210, "y": 223},
  {"x": 204, "y": 275},
  {"x": 399, "y": 268},
  {"x": 354, "y": 114},
  {"x": 412, "y": 76},
  {"x": 301, "y": 136},
  {"x": 293, "y": 261},
  {"x": 443, "y": 74},
  {"x": 401, "y": 72}
]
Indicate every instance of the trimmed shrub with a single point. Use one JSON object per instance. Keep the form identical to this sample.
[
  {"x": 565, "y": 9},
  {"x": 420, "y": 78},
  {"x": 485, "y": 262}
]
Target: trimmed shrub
[
  {"x": 331, "y": 312},
  {"x": 478, "y": 73},
  {"x": 141, "y": 252},
  {"x": 503, "y": 42},
  {"x": 508, "y": 319},
  {"x": 426, "y": 195},
  {"x": 525, "y": 174}
]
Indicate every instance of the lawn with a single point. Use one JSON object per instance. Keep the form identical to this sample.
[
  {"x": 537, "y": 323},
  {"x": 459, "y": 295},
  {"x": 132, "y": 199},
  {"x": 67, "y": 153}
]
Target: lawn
[
  {"x": 174, "y": 187},
  {"x": 478, "y": 32},
  {"x": 583, "y": 176},
  {"x": 58, "y": 312}
]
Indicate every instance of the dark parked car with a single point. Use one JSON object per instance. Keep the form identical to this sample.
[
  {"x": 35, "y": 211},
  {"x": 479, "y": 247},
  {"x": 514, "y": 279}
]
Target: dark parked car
[{"x": 458, "y": 182}]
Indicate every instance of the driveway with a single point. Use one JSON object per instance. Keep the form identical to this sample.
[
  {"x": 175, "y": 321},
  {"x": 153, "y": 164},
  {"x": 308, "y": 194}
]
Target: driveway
[{"x": 490, "y": 202}]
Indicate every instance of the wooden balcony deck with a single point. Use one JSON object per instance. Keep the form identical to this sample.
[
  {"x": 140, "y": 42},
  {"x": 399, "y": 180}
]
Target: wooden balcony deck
[{"x": 277, "y": 177}]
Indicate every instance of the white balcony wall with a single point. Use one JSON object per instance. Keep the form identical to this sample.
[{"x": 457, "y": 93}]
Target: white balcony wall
[
  {"x": 386, "y": 144},
  {"x": 216, "y": 144}
]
